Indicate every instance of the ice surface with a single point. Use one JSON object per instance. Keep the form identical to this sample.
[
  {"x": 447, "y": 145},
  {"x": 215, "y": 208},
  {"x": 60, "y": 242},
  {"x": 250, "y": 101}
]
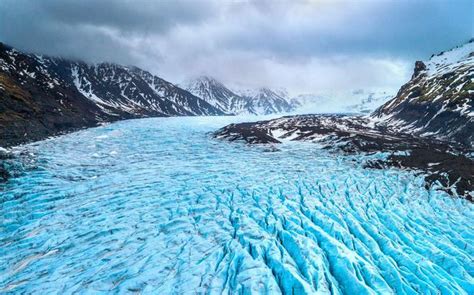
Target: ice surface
[{"x": 157, "y": 206}]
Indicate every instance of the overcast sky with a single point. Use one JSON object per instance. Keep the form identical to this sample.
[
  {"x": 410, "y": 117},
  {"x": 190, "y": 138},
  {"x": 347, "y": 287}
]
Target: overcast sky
[{"x": 304, "y": 46}]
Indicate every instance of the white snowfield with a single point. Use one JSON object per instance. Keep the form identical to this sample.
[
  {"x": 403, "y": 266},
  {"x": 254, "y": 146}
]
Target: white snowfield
[
  {"x": 357, "y": 101},
  {"x": 449, "y": 60}
]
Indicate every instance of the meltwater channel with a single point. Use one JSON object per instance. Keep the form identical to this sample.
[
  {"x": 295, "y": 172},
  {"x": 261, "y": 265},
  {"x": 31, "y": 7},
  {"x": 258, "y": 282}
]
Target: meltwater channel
[{"x": 158, "y": 206}]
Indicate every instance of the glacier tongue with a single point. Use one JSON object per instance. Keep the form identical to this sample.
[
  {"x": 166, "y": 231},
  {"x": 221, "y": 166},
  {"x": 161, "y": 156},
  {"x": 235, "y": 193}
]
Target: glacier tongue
[{"x": 156, "y": 206}]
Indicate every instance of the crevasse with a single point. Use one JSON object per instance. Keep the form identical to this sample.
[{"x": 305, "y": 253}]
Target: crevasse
[{"x": 157, "y": 206}]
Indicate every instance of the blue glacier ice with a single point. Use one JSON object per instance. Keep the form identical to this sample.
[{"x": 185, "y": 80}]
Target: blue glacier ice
[{"x": 157, "y": 206}]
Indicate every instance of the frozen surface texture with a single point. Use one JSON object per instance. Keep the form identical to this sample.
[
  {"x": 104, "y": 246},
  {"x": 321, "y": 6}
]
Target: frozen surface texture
[{"x": 156, "y": 206}]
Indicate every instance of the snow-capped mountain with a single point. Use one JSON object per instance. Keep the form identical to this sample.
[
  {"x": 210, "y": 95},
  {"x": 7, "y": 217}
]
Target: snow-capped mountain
[
  {"x": 216, "y": 94},
  {"x": 261, "y": 101},
  {"x": 266, "y": 101},
  {"x": 44, "y": 95},
  {"x": 438, "y": 100},
  {"x": 118, "y": 89}
]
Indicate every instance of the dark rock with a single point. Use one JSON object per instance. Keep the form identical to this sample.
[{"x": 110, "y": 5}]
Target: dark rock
[
  {"x": 4, "y": 171},
  {"x": 419, "y": 67}
]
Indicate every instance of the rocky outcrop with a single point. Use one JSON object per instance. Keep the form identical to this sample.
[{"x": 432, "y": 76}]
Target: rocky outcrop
[
  {"x": 438, "y": 101},
  {"x": 419, "y": 68},
  {"x": 43, "y": 96}
]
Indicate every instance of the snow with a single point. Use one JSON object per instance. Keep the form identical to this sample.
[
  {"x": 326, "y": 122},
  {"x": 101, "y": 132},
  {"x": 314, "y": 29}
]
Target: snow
[
  {"x": 81, "y": 83},
  {"x": 212, "y": 91},
  {"x": 260, "y": 101},
  {"x": 283, "y": 135},
  {"x": 85, "y": 87},
  {"x": 449, "y": 60},
  {"x": 443, "y": 85},
  {"x": 156, "y": 206}
]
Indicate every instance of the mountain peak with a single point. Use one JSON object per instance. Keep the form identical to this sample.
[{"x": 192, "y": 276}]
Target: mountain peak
[
  {"x": 438, "y": 100},
  {"x": 251, "y": 101},
  {"x": 202, "y": 81}
]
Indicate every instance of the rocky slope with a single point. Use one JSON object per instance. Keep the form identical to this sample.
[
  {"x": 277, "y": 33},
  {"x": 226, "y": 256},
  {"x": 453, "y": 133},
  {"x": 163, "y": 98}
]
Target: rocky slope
[
  {"x": 43, "y": 96},
  {"x": 261, "y": 101},
  {"x": 438, "y": 101}
]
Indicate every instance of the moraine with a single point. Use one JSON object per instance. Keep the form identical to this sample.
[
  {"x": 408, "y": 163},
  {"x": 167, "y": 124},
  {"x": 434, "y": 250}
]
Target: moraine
[{"x": 159, "y": 206}]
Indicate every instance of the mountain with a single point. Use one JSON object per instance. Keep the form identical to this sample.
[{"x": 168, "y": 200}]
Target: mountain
[
  {"x": 438, "y": 101},
  {"x": 261, "y": 101},
  {"x": 216, "y": 94},
  {"x": 42, "y": 96},
  {"x": 265, "y": 101}
]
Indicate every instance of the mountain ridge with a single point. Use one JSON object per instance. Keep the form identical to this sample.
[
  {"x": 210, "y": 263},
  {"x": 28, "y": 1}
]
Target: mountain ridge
[
  {"x": 44, "y": 96},
  {"x": 260, "y": 101}
]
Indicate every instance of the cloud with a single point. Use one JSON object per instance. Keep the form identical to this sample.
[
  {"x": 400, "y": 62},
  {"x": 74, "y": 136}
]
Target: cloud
[
  {"x": 301, "y": 45},
  {"x": 109, "y": 30}
]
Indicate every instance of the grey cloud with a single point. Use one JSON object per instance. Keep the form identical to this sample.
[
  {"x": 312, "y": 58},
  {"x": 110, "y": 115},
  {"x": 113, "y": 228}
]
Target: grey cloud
[
  {"x": 307, "y": 45},
  {"x": 127, "y": 16},
  {"x": 93, "y": 30},
  {"x": 411, "y": 29}
]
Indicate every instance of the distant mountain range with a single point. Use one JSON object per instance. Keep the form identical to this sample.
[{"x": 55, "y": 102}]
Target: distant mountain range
[{"x": 262, "y": 101}]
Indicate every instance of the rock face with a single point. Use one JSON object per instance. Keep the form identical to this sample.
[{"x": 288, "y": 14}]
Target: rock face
[
  {"x": 438, "y": 101},
  {"x": 43, "y": 96},
  {"x": 262, "y": 101}
]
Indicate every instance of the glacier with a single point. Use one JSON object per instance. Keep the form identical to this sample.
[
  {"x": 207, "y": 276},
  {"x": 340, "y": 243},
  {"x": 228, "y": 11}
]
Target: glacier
[{"x": 157, "y": 206}]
